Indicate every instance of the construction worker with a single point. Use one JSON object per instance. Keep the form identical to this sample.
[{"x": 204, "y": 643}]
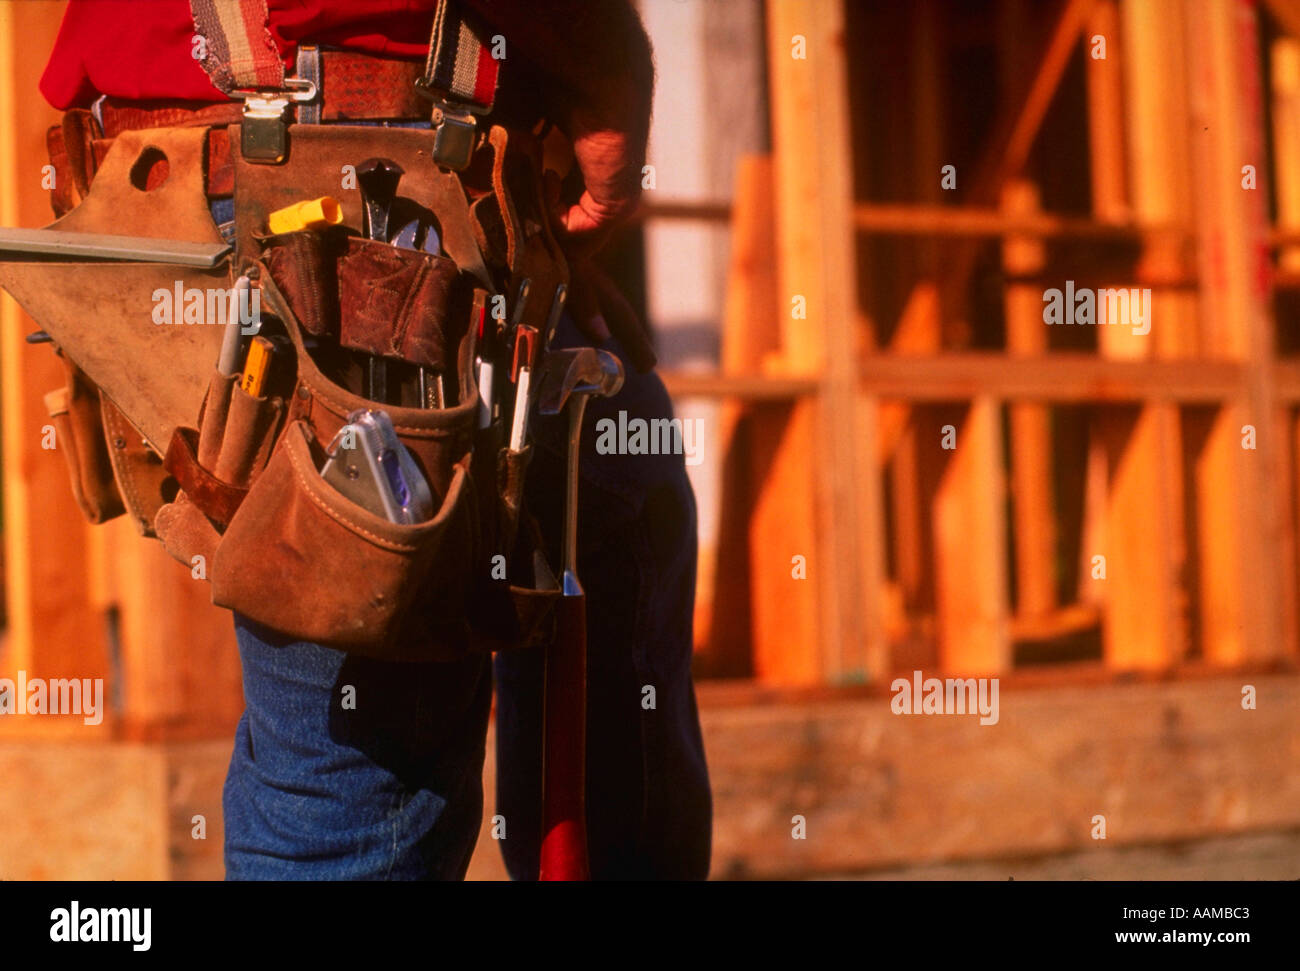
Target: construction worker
[{"x": 389, "y": 786}]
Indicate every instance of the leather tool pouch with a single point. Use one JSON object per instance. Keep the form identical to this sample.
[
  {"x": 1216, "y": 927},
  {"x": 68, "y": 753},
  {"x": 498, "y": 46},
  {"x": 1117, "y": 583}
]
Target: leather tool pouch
[
  {"x": 230, "y": 482},
  {"x": 284, "y": 547},
  {"x": 79, "y": 435},
  {"x": 135, "y": 374}
]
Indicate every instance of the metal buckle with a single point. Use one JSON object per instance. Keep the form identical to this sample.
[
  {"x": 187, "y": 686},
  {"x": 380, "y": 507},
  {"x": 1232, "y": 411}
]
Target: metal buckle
[
  {"x": 454, "y": 130},
  {"x": 264, "y": 133}
]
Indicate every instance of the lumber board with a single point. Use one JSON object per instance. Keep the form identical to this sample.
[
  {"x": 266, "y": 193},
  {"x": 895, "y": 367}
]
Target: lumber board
[
  {"x": 907, "y": 219},
  {"x": 1285, "y": 58},
  {"x": 1063, "y": 377},
  {"x": 814, "y": 198},
  {"x": 1143, "y": 602},
  {"x": 966, "y": 494},
  {"x": 1161, "y": 761},
  {"x": 1060, "y": 377},
  {"x": 750, "y": 331},
  {"x": 1246, "y": 613},
  {"x": 1032, "y": 509},
  {"x": 1107, "y": 147},
  {"x": 786, "y": 614}
]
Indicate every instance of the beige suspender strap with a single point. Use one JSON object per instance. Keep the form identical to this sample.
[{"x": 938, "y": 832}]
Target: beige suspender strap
[{"x": 238, "y": 52}]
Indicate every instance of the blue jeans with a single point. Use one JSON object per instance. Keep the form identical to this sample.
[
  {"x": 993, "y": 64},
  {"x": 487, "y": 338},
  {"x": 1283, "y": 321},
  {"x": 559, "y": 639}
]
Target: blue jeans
[{"x": 351, "y": 768}]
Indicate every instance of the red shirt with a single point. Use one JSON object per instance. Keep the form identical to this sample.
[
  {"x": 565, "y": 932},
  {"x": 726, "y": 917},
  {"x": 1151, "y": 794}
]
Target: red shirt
[{"x": 142, "y": 49}]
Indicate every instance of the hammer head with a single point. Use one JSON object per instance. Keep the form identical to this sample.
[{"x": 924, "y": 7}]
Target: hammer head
[{"x": 576, "y": 371}]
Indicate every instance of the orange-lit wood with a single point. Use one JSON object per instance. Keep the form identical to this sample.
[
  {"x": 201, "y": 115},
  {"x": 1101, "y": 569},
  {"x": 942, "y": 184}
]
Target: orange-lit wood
[
  {"x": 54, "y": 631},
  {"x": 970, "y": 550},
  {"x": 750, "y": 333},
  {"x": 1031, "y": 436},
  {"x": 820, "y": 333},
  {"x": 1245, "y": 614}
]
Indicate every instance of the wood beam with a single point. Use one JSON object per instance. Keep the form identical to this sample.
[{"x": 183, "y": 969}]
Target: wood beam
[{"x": 814, "y": 198}]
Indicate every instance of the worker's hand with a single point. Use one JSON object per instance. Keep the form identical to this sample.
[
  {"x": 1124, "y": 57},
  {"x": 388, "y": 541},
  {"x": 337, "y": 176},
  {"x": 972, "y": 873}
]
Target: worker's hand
[{"x": 611, "y": 174}]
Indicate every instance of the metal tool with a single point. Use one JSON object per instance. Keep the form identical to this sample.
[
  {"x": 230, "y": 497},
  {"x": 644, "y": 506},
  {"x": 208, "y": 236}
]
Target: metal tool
[
  {"x": 419, "y": 234},
  {"x": 228, "y": 362},
  {"x": 55, "y": 245},
  {"x": 567, "y": 379},
  {"x": 485, "y": 371},
  {"x": 369, "y": 464},
  {"x": 517, "y": 317},
  {"x": 553, "y": 318},
  {"x": 378, "y": 179}
]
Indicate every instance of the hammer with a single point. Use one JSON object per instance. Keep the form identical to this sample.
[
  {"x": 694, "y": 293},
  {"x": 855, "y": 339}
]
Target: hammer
[{"x": 569, "y": 377}]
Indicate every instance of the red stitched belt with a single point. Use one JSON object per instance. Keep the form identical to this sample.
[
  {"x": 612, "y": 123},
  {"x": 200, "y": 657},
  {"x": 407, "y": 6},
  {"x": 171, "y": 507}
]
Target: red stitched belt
[{"x": 353, "y": 87}]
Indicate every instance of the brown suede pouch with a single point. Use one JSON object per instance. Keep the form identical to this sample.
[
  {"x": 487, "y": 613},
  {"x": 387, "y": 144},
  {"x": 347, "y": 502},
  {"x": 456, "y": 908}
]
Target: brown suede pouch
[
  {"x": 462, "y": 601},
  {"x": 438, "y": 439},
  {"x": 304, "y": 265},
  {"x": 511, "y": 470},
  {"x": 303, "y": 559},
  {"x": 79, "y": 435},
  {"x": 212, "y": 419},
  {"x": 374, "y": 298},
  {"x": 248, "y": 438},
  {"x": 187, "y": 534},
  {"x": 215, "y": 466},
  {"x": 401, "y": 304},
  {"x": 535, "y": 591},
  {"x": 515, "y": 607}
]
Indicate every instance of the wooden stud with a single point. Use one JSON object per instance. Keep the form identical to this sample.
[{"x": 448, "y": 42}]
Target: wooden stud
[
  {"x": 814, "y": 198},
  {"x": 1286, "y": 144},
  {"x": 1144, "y": 608},
  {"x": 1245, "y": 615},
  {"x": 970, "y": 554},
  {"x": 1031, "y": 437},
  {"x": 750, "y": 333}
]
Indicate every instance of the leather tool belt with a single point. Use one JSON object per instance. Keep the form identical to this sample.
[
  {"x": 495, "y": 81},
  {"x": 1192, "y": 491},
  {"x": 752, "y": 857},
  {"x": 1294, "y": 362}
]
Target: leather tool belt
[{"x": 229, "y": 480}]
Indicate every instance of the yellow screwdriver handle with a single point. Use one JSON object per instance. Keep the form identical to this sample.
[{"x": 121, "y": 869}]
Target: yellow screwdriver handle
[{"x": 312, "y": 214}]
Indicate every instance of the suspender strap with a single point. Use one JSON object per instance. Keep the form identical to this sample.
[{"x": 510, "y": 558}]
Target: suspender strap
[
  {"x": 460, "y": 67},
  {"x": 238, "y": 49},
  {"x": 460, "y": 78}
]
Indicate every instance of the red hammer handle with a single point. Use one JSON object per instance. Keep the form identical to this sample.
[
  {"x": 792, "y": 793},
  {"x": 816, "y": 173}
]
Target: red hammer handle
[{"x": 564, "y": 777}]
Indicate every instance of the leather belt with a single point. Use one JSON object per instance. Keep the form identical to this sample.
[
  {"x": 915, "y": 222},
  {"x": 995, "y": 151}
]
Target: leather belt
[{"x": 353, "y": 87}]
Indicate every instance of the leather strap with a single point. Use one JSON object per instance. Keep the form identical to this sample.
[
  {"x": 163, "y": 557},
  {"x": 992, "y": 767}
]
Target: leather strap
[
  {"x": 310, "y": 69},
  {"x": 355, "y": 87},
  {"x": 460, "y": 67},
  {"x": 238, "y": 50},
  {"x": 218, "y": 500}
]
